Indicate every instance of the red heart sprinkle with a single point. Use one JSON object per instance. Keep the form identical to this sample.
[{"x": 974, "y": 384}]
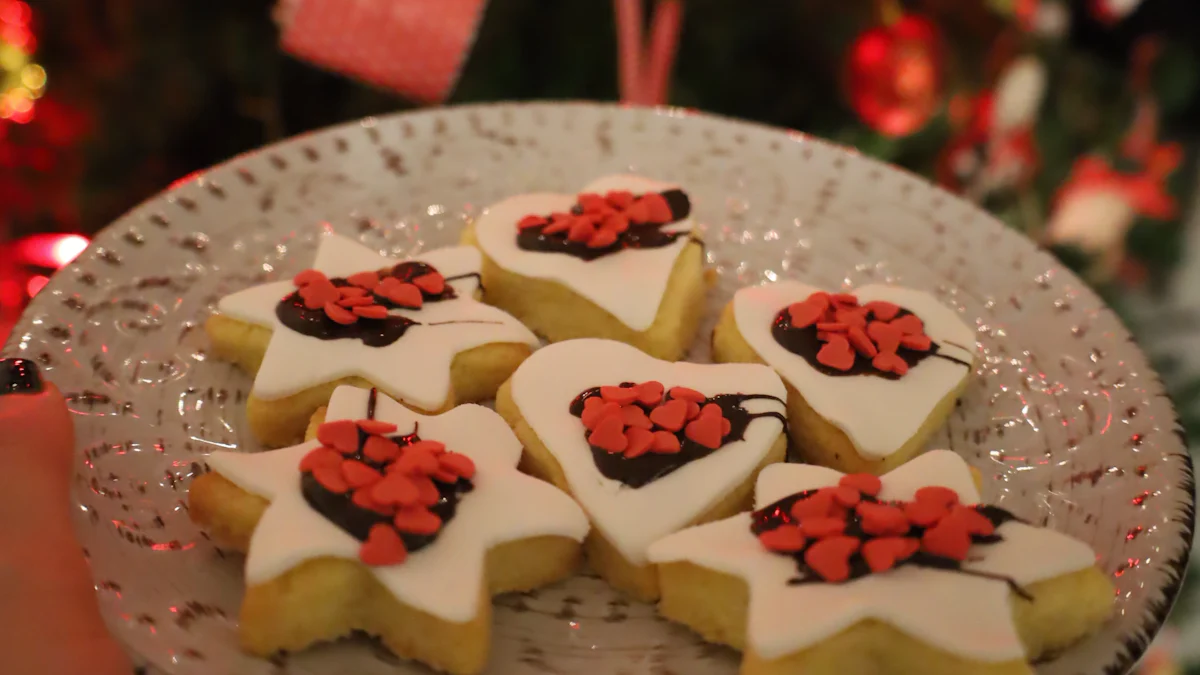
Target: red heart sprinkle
[
  {"x": 845, "y": 496},
  {"x": 917, "y": 343},
  {"x": 686, "y": 394},
  {"x": 851, "y": 317},
  {"x": 619, "y": 395},
  {"x": 820, "y": 299},
  {"x": 457, "y": 463},
  {"x": 634, "y": 416},
  {"x": 364, "y": 280},
  {"x": 609, "y": 434},
  {"x": 670, "y": 415},
  {"x": 581, "y": 230},
  {"x": 371, "y": 312},
  {"x": 947, "y": 539},
  {"x": 434, "y": 447},
  {"x": 889, "y": 362},
  {"x": 836, "y": 353},
  {"x": 882, "y": 519},
  {"x": 427, "y": 492},
  {"x": 395, "y": 488},
  {"x": 974, "y": 522},
  {"x": 417, "y": 520},
  {"x": 726, "y": 427},
  {"x": 937, "y": 494},
  {"x": 817, "y": 505},
  {"x": 530, "y": 221},
  {"x": 558, "y": 226},
  {"x": 833, "y": 327},
  {"x": 657, "y": 208},
  {"x": 602, "y": 238},
  {"x": 861, "y": 343},
  {"x": 341, "y": 435},
  {"x": 711, "y": 410},
  {"x": 382, "y": 547},
  {"x": 414, "y": 460},
  {"x": 387, "y": 284},
  {"x": 356, "y": 301},
  {"x": 883, "y": 310},
  {"x": 351, "y": 292},
  {"x": 358, "y": 474},
  {"x": 317, "y": 295},
  {"x": 665, "y": 443},
  {"x": 380, "y": 450},
  {"x": 594, "y": 412},
  {"x": 882, "y": 554},
  {"x": 307, "y": 277},
  {"x": 805, "y": 314},
  {"x": 430, "y": 282},
  {"x": 651, "y": 393},
  {"x": 320, "y": 457},
  {"x": 639, "y": 441},
  {"x": 706, "y": 431},
  {"x": 638, "y": 212},
  {"x": 783, "y": 539},
  {"x": 615, "y": 222},
  {"x": 619, "y": 198},
  {"x": 822, "y": 528},
  {"x": 845, "y": 299},
  {"x": 339, "y": 314},
  {"x": 693, "y": 410},
  {"x": 830, "y": 558},
  {"x": 886, "y": 336},
  {"x": 330, "y": 478},
  {"x": 925, "y": 514},
  {"x": 908, "y": 324},
  {"x": 443, "y": 476},
  {"x": 866, "y": 483},
  {"x": 362, "y": 499},
  {"x": 371, "y": 426},
  {"x": 591, "y": 202},
  {"x": 406, "y": 295}
]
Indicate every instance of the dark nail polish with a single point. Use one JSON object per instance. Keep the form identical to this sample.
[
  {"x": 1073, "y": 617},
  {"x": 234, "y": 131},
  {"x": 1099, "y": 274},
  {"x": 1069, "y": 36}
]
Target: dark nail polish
[{"x": 19, "y": 376}]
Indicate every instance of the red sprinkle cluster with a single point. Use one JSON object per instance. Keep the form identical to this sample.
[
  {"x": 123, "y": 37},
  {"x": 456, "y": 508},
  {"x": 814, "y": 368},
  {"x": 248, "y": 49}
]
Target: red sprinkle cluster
[
  {"x": 398, "y": 481},
  {"x": 848, "y": 329},
  {"x": 360, "y": 300},
  {"x": 602, "y": 219},
  {"x": 619, "y": 422},
  {"x": 830, "y": 526}
]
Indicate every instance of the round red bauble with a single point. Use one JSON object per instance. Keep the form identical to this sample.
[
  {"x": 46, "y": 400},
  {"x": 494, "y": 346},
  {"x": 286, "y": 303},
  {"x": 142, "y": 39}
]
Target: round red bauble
[{"x": 895, "y": 75}]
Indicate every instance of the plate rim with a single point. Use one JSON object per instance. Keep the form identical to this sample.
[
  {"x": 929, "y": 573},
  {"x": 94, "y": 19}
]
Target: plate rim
[{"x": 1177, "y": 567}]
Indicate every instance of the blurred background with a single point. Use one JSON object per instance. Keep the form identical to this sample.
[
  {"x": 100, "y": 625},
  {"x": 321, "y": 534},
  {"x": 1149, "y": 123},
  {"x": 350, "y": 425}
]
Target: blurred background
[{"x": 1074, "y": 121}]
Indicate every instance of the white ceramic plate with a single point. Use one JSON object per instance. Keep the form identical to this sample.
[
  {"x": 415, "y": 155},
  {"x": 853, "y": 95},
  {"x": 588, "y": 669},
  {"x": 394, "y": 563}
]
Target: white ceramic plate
[{"x": 1065, "y": 419}]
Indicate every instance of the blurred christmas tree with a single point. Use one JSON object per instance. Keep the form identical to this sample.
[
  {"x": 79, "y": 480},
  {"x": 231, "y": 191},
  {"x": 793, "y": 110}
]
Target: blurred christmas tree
[{"x": 1063, "y": 118}]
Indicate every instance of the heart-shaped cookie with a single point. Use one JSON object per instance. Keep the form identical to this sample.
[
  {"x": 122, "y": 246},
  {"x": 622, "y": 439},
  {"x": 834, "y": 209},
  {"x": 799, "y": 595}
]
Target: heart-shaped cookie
[
  {"x": 696, "y": 461},
  {"x": 619, "y": 260},
  {"x": 870, "y": 374}
]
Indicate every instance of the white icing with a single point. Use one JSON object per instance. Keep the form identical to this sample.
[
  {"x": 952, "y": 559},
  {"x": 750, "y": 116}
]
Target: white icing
[
  {"x": 632, "y": 518},
  {"x": 444, "y": 578},
  {"x": 877, "y": 414},
  {"x": 415, "y": 368},
  {"x": 963, "y": 615},
  {"x": 629, "y": 284}
]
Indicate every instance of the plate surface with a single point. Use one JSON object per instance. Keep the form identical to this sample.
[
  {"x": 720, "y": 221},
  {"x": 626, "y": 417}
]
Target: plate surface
[{"x": 1064, "y": 417}]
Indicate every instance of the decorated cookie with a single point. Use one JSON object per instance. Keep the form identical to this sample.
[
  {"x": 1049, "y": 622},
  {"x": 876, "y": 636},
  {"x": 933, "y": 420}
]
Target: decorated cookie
[
  {"x": 870, "y": 374},
  {"x": 411, "y": 328},
  {"x": 388, "y": 522},
  {"x": 646, "y": 446},
  {"x": 907, "y": 573},
  {"x": 619, "y": 260}
]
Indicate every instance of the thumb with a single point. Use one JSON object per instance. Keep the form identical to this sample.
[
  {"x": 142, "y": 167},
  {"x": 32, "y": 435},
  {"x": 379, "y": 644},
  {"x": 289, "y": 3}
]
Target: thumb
[{"x": 46, "y": 585}]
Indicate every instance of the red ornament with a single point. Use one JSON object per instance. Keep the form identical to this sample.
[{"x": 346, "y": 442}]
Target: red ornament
[{"x": 895, "y": 75}]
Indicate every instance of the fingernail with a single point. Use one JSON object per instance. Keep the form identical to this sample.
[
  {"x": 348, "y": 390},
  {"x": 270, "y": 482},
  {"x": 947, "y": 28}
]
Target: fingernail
[{"x": 19, "y": 376}]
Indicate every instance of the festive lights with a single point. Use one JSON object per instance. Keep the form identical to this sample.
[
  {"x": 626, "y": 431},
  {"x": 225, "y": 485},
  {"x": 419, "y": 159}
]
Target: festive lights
[{"x": 22, "y": 81}]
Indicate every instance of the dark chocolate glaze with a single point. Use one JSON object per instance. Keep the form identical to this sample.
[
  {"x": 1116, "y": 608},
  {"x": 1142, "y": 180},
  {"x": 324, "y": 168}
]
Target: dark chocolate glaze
[
  {"x": 779, "y": 513},
  {"x": 357, "y": 521},
  {"x": 803, "y": 342},
  {"x": 651, "y": 466},
  {"x": 639, "y": 235}
]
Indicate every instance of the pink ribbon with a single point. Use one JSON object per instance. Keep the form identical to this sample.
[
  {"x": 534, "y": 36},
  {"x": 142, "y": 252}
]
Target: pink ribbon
[
  {"x": 645, "y": 71},
  {"x": 416, "y": 47}
]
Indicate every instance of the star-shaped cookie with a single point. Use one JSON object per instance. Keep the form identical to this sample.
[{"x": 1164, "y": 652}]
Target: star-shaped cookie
[
  {"x": 851, "y": 573},
  {"x": 340, "y": 536},
  {"x": 426, "y": 342}
]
